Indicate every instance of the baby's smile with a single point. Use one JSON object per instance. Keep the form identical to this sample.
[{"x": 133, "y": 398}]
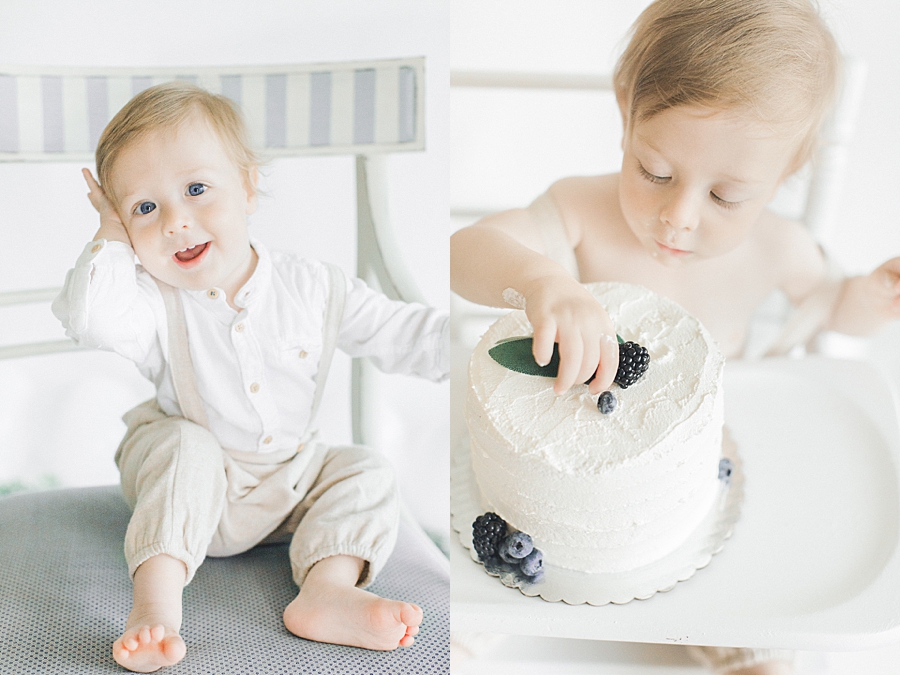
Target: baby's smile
[{"x": 191, "y": 256}]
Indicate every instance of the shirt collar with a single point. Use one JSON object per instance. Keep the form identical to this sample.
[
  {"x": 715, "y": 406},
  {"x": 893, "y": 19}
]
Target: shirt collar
[
  {"x": 259, "y": 280},
  {"x": 249, "y": 293}
]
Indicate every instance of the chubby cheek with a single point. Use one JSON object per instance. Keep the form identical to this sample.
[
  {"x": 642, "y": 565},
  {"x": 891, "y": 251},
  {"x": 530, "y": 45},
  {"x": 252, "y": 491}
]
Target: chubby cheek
[
  {"x": 637, "y": 206},
  {"x": 147, "y": 249}
]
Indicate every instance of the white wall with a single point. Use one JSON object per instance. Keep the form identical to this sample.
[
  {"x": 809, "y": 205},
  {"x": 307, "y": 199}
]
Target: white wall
[{"x": 60, "y": 414}]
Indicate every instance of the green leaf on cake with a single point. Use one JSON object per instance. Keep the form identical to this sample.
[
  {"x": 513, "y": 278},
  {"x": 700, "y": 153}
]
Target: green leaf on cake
[{"x": 516, "y": 354}]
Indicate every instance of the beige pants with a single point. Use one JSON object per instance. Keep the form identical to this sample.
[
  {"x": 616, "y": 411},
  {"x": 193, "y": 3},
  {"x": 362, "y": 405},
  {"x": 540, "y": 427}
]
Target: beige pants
[{"x": 190, "y": 498}]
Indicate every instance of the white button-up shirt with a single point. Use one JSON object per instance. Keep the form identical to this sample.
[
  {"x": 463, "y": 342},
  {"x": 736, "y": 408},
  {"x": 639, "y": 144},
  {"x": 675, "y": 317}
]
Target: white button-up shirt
[{"x": 255, "y": 367}]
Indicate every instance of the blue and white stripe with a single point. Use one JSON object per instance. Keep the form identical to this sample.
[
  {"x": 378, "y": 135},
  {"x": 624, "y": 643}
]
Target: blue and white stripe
[{"x": 356, "y": 108}]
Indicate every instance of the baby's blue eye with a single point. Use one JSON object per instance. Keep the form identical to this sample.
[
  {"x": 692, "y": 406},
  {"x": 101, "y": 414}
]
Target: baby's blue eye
[
  {"x": 145, "y": 207},
  {"x": 196, "y": 189}
]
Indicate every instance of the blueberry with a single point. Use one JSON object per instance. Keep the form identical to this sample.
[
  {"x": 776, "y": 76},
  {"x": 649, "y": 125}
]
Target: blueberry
[
  {"x": 607, "y": 402},
  {"x": 516, "y": 545},
  {"x": 726, "y": 467},
  {"x": 532, "y": 563}
]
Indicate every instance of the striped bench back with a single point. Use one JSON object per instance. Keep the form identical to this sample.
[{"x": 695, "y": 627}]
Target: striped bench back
[{"x": 367, "y": 107}]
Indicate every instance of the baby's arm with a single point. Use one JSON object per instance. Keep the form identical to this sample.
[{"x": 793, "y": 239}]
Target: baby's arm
[
  {"x": 101, "y": 304},
  {"x": 398, "y": 337},
  {"x": 505, "y": 250},
  {"x": 863, "y": 304}
]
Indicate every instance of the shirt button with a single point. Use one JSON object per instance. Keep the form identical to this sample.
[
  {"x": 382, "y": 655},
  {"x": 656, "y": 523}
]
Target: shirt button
[
  {"x": 212, "y": 293},
  {"x": 267, "y": 440},
  {"x": 303, "y": 354},
  {"x": 254, "y": 387},
  {"x": 239, "y": 327},
  {"x": 96, "y": 247}
]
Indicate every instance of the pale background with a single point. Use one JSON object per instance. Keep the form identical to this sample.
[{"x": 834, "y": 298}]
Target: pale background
[
  {"x": 59, "y": 414},
  {"x": 508, "y": 146}
]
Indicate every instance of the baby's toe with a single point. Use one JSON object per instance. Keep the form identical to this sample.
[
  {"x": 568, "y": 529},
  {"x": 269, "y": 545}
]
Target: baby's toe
[
  {"x": 407, "y": 641},
  {"x": 412, "y": 630},
  {"x": 144, "y": 635},
  {"x": 130, "y": 641},
  {"x": 119, "y": 649},
  {"x": 411, "y": 615},
  {"x": 173, "y": 648}
]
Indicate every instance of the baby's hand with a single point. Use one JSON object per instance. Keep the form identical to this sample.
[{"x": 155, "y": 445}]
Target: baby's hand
[
  {"x": 562, "y": 310},
  {"x": 885, "y": 289},
  {"x": 868, "y": 302},
  {"x": 111, "y": 226}
]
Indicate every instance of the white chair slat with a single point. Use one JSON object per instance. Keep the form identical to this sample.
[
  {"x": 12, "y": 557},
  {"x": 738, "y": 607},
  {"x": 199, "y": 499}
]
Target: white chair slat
[
  {"x": 387, "y": 101},
  {"x": 297, "y": 114},
  {"x": 342, "y": 109},
  {"x": 58, "y": 114}
]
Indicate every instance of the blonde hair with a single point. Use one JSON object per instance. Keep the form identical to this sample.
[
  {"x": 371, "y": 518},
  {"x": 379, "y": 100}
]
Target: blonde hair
[
  {"x": 165, "y": 106},
  {"x": 774, "y": 59}
]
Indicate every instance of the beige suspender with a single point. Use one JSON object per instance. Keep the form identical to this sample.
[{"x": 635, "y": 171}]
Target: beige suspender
[{"x": 180, "y": 357}]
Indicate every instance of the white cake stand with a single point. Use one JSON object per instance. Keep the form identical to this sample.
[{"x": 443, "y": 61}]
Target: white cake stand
[{"x": 572, "y": 587}]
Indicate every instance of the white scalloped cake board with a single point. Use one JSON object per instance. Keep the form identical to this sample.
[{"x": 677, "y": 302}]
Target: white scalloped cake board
[
  {"x": 569, "y": 586},
  {"x": 813, "y": 562}
]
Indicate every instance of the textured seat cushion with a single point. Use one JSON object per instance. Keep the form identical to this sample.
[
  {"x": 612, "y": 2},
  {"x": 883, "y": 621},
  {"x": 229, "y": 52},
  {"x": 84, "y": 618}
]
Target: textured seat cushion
[{"x": 66, "y": 595}]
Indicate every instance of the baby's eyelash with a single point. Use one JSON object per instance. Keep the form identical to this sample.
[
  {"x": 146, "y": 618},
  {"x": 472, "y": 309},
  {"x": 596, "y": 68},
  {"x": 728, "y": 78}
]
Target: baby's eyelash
[
  {"x": 721, "y": 202},
  {"x": 653, "y": 178}
]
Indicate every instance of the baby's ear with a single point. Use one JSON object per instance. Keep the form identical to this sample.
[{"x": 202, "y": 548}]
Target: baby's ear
[{"x": 251, "y": 187}]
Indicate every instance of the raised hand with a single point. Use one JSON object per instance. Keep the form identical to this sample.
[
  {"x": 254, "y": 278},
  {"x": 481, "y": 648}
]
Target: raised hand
[
  {"x": 869, "y": 302},
  {"x": 111, "y": 226},
  {"x": 562, "y": 310}
]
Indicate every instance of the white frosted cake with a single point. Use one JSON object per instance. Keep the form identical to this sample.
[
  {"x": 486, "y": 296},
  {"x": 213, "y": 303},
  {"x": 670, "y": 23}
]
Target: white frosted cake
[{"x": 603, "y": 493}]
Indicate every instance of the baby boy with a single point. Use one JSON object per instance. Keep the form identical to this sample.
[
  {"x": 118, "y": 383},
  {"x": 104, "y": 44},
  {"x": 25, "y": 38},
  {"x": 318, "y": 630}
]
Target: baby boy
[{"x": 237, "y": 341}]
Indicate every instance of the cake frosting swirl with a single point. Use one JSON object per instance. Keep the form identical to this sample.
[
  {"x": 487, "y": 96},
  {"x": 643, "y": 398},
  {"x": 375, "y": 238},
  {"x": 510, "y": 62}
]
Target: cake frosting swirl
[{"x": 603, "y": 493}]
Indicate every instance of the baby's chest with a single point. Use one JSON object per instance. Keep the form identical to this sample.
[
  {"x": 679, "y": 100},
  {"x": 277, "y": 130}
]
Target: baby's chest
[
  {"x": 255, "y": 346},
  {"x": 724, "y": 297}
]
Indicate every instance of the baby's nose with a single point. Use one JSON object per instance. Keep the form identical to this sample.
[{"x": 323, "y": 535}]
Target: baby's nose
[
  {"x": 681, "y": 212},
  {"x": 176, "y": 220}
]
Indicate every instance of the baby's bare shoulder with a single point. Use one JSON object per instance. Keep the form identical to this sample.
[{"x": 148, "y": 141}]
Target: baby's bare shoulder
[
  {"x": 584, "y": 201},
  {"x": 792, "y": 252},
  {"x": 577, "y": 193},
  {"x": 781, "y": 237}
]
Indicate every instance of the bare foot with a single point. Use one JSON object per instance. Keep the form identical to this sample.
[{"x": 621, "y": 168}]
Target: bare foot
[
  {"x": 151, "y": 639},
  {"x": 146, "y": 647},
  {"x": 329, "y": 608}
]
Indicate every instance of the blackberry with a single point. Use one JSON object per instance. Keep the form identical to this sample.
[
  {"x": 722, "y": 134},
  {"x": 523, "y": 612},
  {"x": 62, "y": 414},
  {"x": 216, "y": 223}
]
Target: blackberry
[
  {"x": 633, "y": 362},
  {"x": 607, "y": 402},
  {"x": 488, "y": 531}
]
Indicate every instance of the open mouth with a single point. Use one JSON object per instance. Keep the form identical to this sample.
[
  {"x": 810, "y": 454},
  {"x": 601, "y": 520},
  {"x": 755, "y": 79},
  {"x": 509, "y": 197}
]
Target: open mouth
[{"x": 191, "y": 255}]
